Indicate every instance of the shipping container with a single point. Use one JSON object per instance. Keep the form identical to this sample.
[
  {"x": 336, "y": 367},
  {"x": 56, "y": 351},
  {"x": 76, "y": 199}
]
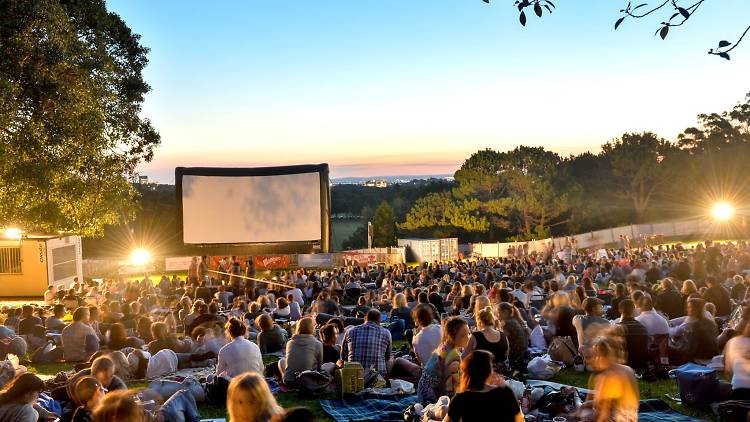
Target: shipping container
[{"x": 429, "y": 250}]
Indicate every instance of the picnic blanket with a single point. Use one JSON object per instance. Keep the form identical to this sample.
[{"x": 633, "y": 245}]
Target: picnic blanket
[
  {"x": 366, "y": 408},
  {"x": 656, "y": 410}
]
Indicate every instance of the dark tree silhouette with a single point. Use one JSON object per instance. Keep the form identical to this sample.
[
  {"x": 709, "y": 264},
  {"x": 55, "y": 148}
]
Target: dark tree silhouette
[{"x": 680, "y": 11}]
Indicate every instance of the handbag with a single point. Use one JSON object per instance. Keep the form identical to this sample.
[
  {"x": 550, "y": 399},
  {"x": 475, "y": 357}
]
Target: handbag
[{"x": 563, "y": 350}]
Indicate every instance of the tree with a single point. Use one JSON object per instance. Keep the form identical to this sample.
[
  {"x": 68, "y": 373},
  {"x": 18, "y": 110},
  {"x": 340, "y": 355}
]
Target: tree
[
  {"x": 71, "y": 134},
  {"x": 517, "y": 190},
  {"x": 384, "y": 226},
  {"x": 680, "y": 11},
  {"x": 536, "y": 195},
  {"x": 641, "y": 164}
]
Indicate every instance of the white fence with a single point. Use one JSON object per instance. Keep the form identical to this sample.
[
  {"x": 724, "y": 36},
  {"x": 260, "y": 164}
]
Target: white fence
[{"x": 600, "y": 238}]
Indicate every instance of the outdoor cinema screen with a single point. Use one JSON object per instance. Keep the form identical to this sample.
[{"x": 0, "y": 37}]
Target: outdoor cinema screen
[{"x": 253, "y": 205}]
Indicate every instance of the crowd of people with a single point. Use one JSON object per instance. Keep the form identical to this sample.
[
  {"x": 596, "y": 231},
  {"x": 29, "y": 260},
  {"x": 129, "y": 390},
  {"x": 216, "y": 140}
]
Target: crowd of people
[{"x": 467, "y": 326}]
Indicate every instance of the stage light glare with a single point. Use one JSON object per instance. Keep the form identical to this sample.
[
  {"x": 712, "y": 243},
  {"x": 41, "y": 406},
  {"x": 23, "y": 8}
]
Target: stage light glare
[
  {"x": 722, "y": 211},
  {"x": 13, "y": 233},
  {"x": 140, "y": 257}
]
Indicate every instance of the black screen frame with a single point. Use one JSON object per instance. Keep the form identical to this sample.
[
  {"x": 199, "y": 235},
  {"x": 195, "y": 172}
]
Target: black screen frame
[{"x": 318, "y": 245}]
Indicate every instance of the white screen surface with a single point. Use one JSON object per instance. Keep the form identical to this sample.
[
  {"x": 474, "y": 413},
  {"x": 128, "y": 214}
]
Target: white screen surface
[{"x": 249, "y": 209}]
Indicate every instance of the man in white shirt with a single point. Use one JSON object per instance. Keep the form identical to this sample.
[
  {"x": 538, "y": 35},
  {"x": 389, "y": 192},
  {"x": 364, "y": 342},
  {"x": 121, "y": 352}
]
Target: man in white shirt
[{"x": 653, "y": 321}]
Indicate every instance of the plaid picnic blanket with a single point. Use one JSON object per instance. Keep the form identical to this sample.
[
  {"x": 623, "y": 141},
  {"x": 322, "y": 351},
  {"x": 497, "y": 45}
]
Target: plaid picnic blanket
[
  {"x": 657, "y": 411},
  {"x": 366, "y": 408}
]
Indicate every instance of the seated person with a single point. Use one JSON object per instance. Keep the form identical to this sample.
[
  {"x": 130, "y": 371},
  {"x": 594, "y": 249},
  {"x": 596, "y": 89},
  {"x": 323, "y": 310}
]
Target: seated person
[
  {"x": 272, "y": 338},
  {"x": 303, "y": 352},
  {"x": 441, "y": 374},
  {"x": 79, "y": 341},
  {"x": 589, "y": 325},
  {"x": 28, "y": 320},
  {"x": 295, "y": 312},
  {"x": 283, "y": 310},
  {"x": 55, "y": 322},
  {"x": 163, "y": 339},
  {"x": 476, "y": 395},
  {"x": 239, "y": 355},
  {"x": 696, "y": 337},
  {"x": 102, "y": 368},
  {"x": 118, "y": 338},
  {"x": 18, "y": 399},
  {"x": 250, "y": 399},
  {"x": 636, "y": 336},
  {"x": 208, "y": 317},
  {"x": 737, "y": 361},
  {"x": 331, "y": 351},
  {"x": 88, "y": 394},
  {"x": 427, "y": 338}
]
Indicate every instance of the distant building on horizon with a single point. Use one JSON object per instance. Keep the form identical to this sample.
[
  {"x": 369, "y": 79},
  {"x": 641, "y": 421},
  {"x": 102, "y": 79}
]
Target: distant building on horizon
[{"x": 376, "y": 183}]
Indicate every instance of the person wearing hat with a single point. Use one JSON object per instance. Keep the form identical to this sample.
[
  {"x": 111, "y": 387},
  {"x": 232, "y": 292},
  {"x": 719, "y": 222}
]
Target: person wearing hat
[{"x": 588, "y": 326}]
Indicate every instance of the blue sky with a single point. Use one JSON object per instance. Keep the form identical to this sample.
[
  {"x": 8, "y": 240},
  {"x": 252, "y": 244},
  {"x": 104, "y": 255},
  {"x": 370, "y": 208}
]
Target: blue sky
[{"x": 391, "y": 87}]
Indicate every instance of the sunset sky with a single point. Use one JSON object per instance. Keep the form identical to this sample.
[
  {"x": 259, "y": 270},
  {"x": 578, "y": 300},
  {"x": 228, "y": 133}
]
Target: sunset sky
[{"x": 398, "y": 87}]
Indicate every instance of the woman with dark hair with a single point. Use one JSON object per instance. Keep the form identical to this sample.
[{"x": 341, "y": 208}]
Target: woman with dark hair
[
  {"x": 119, "y": 339},
  {"x": 620, "y": 295},
  {"x": 476, "y": 396},
  {"x": 518, "y": 334},
  {"x": 696, "y": 337},
  {"x": 17, "y": 399},
  {"x": 272, "y": 338},
  {"x": 239, "y": 355}
]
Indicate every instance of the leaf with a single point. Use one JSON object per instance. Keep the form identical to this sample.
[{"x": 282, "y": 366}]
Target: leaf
[
  {"x": 673, "y": 16},
  {"x": 522, "y": 18},
  {"x": 548, "y": 8},
  {"x": 664, "y": 31},
  {"x": 486, "y": 1},
  {"x": 619, "y": 21},
  {"x": 639, "y": 6},
  {"x": 724, "y": 55},
  {"x": 683, "y": 12},
  {"x": 550, "y": 3},
  {"x": 724, "y": 43},
  {"x": 538, "y": 9}
]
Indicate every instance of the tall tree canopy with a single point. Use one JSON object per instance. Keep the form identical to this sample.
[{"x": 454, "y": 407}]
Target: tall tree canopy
[
  {"x": 384, "y": 226},
  {"x": 518, "y": 192},
  {"x": 71, "y": 134},
  {"x": 641, "y": 164}
]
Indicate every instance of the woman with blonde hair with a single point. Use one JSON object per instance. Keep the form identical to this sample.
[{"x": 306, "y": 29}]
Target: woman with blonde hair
[
  {"x": 400, "y": 311},
  {"x": 488, "y": 338},
  {"x": 688, "y": 288},
  {"x": 303, "y": 352},
  {"x": 250, "y": 400}
]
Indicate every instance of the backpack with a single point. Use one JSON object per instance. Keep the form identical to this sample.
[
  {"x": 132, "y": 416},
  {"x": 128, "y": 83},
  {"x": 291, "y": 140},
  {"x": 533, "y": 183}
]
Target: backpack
[
  {"x": 563, "y": 350},
  {"x": 312, "y": 383},
  {"x": 430, "y": 385},
  {"x": 698, "y": 384}
]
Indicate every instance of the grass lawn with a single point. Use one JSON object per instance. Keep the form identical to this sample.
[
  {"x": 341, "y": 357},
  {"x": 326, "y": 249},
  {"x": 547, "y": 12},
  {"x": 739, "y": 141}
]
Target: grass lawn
[{"x": 648, "y": 390}]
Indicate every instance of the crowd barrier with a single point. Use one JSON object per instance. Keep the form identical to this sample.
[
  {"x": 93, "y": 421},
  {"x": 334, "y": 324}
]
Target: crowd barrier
[{"x": 605, "y": 238}]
